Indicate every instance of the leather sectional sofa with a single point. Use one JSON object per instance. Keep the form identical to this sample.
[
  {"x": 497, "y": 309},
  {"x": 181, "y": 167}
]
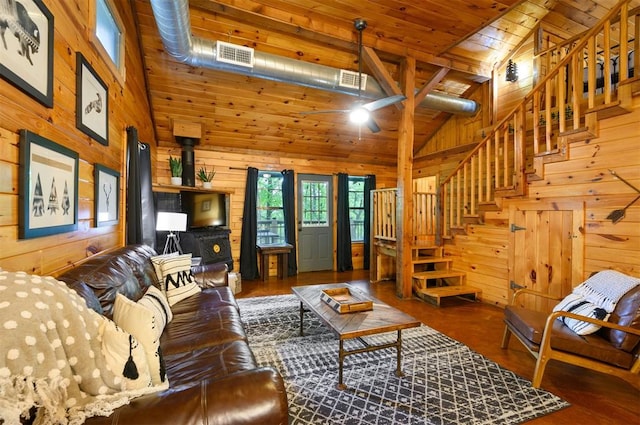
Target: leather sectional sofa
[{"x": 213, "y": 377}]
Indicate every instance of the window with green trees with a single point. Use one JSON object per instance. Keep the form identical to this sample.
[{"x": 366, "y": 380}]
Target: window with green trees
[
  {"x": 270, "y": 213},
  {"x": 356, "y": 208}
]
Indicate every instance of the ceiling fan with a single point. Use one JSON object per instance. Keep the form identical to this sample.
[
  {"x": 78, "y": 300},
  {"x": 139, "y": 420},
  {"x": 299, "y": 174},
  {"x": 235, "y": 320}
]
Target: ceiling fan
[{"x": 360, "y": 112}]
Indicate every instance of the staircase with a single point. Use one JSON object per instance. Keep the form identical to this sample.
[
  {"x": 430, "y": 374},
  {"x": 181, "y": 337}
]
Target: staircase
[
  {"x": 564, "y": 107},
  {"x": 433, "y": 277}
]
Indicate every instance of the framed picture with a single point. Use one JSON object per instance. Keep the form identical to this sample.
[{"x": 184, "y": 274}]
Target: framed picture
[
  {"x": 106, "y": 195},
  {"x": 92, "y": 102},
  {"x": 26, "y": 51},
  {"x": 48, "y": 187}
]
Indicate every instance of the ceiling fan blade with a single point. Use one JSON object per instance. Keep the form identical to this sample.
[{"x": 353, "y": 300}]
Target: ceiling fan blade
[
  {"x": 384, "y": 102},
  {"x": 372, "y": 125},
  {"x": 328, "y": 111}
]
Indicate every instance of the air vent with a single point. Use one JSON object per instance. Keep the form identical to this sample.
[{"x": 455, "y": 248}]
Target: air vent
[
  {"x": 350, "y": 79},
  {"x": 234, "y": 54}
]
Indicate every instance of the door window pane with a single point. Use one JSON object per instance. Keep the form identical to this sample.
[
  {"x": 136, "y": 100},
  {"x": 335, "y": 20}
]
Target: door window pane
[{"x": 314, "y": 204}]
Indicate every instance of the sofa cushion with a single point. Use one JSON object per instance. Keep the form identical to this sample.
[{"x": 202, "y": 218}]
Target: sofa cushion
[
  {"x": 627, "y": 313},
  {"x": 174, "y": 276},
  {"x": 140, "y": 322},
  {"x": 107, "y": 275},
  {"x": 207, "y": 299},
  {"x": 209, "y": 363},
  {"x": 191, "y": 331},
  {"x": 528, "y": 323},
  {"x": 592, "y": 346}
]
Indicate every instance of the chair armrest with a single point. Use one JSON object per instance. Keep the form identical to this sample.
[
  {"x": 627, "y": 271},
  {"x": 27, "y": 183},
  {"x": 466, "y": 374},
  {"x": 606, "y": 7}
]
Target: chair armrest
[
  {"x": 527, "y": 291},
  {"x": 553, "y": 316}
]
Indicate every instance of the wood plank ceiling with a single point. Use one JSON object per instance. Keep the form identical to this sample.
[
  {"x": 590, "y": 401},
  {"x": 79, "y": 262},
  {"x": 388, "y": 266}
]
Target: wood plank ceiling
[{"x": 456, "y": 44}]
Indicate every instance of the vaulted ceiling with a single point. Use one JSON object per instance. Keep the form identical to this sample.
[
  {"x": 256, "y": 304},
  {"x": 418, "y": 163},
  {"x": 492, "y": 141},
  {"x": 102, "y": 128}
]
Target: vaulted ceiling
[{"x": 456, "y": 44}]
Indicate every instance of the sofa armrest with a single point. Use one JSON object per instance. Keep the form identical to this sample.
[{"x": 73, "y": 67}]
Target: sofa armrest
[
  {"x": 255, "y": 396},
  {"x": 211, "y": 275}
]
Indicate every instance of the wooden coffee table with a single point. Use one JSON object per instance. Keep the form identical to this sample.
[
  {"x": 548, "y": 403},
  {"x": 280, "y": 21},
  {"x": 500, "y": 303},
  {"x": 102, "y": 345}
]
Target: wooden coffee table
[{"x": 382, "y": 318}]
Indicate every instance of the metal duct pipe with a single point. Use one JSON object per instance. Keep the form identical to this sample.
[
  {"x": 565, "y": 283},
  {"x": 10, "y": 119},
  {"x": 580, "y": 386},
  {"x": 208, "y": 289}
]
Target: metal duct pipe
[{"x": 172, "y": 17}]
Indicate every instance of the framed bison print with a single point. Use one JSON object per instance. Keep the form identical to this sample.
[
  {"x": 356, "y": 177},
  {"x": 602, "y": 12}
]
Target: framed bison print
[
  {"x": 92, "y": 102},
  {"x": 48, "y": 187},
  {"x": 26, "y": 47}
]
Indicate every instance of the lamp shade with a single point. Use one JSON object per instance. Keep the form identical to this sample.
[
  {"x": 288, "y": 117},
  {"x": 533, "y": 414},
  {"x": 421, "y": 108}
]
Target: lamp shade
[{"x": 171, "y": 222}]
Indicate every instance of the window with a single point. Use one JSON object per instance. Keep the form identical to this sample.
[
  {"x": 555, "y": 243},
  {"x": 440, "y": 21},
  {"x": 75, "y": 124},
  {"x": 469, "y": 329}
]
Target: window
[
  {"x": 270, "y": 213},
  {"x": 356, "y": 208},
  {"x": 315, "y": 211},
  {"x": 108, "y": 36}
]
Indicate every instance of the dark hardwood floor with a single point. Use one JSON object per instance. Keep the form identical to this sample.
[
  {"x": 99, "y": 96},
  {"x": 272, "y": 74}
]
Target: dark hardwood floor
[{"x": 595, "y": 398}]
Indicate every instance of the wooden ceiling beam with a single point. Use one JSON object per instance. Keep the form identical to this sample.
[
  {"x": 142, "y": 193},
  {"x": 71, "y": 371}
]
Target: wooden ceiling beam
[
  {"x": 330, "y": 34},
  {"x": 433, "y": 81},
  {"x": 381, "y": 74}
]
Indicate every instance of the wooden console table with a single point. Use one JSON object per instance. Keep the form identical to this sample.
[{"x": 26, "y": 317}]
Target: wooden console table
[{"x": 281, "y": 251}]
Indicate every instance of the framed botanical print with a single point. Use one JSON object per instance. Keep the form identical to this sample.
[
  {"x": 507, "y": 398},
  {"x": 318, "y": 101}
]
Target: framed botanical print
[
  {"x": 26, "y": 50},
  {"x": 48, "y": 187},
  {"x": 106, "y": 195},
  {"x": 92, "y": 102}
]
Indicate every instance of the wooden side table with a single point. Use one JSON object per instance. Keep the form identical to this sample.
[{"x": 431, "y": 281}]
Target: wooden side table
[{"x": 281, "y": 251}]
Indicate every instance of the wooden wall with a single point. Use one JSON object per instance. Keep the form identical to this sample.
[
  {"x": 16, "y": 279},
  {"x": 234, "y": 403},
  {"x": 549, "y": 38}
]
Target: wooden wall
[
  {"x": 231, "y": 175},
  {"x": 127, "y": 107},
  {"x": 484, "y": 251}
]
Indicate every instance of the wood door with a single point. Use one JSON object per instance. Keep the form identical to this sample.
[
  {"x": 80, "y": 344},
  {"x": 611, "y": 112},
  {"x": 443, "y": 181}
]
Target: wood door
[
  {"x": 546, "y": 249},
  {"x": 315, "y": 223}
]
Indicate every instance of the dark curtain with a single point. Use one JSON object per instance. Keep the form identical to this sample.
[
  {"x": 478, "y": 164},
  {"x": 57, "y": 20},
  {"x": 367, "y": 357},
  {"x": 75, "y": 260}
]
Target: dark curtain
[
  {"x": 289, "y": 209},
  {"x": 344, "y": 226},
  {"x": 369, "y": 185},
  {"x": 249, "y": 237},
  {"x": 140, "y": 215}
]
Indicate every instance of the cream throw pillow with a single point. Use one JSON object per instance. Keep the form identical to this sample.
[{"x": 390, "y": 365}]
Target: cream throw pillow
[
  {"x": 140, "y": 322},
  {"x": 174, "y": 276}
]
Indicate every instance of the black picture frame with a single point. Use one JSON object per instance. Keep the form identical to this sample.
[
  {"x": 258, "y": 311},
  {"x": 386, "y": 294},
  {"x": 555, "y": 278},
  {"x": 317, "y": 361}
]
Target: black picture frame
[
  {"x": 26, "y": 60},
  {"x": 92, "y": 102},
  {"x": 106, "y": 196},
  {"x": 48, "y": 187}
]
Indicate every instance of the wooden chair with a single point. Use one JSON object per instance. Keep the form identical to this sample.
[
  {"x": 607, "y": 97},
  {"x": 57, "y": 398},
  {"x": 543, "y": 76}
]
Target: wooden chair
[{"x": 608, "y": 351}]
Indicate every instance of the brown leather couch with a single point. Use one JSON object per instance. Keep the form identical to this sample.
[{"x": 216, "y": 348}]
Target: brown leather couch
[{"x": 213, "y": 376}]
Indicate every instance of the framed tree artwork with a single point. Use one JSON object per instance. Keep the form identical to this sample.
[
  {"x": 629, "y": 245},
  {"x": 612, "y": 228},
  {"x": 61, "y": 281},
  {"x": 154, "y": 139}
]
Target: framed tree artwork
[
  {"x": 106, "y": 196},
  {"x": 92, "y": 102},
  {"x": 26, "y": 48},
  {"x": 48, "y": 187}
]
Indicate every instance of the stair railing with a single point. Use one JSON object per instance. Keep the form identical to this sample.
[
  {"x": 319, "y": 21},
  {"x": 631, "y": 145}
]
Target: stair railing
[
  {"x": 384, "y": 203},
  {"x": 560, "y": 107}
]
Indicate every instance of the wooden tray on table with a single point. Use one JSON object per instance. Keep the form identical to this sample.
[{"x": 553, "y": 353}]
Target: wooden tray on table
[{"x": 343, "y": 300}]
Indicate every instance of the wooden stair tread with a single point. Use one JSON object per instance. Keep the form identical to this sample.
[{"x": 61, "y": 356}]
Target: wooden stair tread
[
  {"x": 609, "y": 110},
  {"x": 431, "y": 260},
  {"x": 437, "y": 274},
  {"x": 447, "y": 291}
]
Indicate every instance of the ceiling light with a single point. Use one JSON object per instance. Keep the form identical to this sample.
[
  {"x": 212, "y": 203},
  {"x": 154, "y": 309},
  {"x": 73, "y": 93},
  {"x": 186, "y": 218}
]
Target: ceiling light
[{"x": 359, "y": 116}]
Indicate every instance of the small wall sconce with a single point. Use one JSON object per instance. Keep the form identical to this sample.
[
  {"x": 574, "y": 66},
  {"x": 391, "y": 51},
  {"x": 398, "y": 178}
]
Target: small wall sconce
[{"x": 512, "y": 71}]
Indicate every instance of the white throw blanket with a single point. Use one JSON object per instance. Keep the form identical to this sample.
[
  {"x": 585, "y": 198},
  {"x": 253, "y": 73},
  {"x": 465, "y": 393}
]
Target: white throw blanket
[
  {"x": 605, "y": 288},
  {"x": 58, "y": 355}
]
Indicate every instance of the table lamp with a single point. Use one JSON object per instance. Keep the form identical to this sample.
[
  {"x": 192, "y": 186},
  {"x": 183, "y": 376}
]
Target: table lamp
[{"x": 171, "y": 222}]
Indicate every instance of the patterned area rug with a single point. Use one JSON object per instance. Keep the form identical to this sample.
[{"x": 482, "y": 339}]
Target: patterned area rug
[{"x": 445, "y": 382}]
